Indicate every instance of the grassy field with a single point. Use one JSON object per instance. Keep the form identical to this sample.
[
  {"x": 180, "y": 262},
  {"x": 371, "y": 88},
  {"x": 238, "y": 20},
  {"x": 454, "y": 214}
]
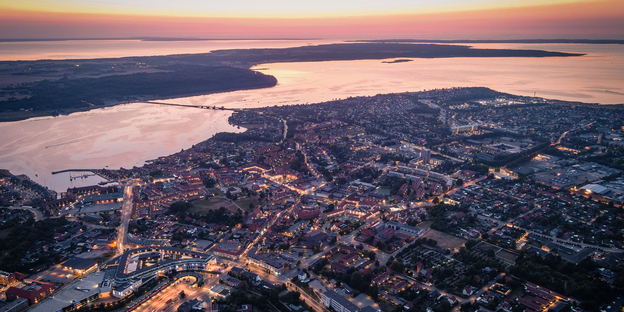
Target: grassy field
[
  {"x": 444, "y": 240},
  {"x": 244, "y": 203},
  {"x": 485, "y": 247},
  {"x": 201, "y": 206},
  {"x": 216, "y": 192},
  {"x": 506, "y": 256},
  {"x": 383, "y": 190}
]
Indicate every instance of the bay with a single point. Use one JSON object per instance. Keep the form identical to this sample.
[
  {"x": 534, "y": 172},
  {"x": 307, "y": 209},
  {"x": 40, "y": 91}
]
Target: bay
[{"x": 128, "y": 135}]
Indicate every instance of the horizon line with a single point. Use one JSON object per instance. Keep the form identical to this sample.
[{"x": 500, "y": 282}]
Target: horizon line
[{"x": 392, "y": 40}]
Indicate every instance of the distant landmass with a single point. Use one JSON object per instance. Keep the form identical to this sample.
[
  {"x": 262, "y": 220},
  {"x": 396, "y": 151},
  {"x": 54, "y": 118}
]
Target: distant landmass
[
  {"x": 459, "y": 41},
  {"x": 144, "y": 39},
  {"x": 463, "y": 41},
  {"x": 171, "y": 81},
  {"x": 397, "y": 61},
  {"x": 49, "y": 87}
]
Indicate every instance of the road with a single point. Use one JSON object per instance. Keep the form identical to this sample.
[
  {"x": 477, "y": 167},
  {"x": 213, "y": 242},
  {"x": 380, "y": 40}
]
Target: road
[
  {"x": 566, "y": 133},
  {"x": 159, "y": 302},
  {"x": 126, "y": 212},
  {"x": 554, "y": 239},
  {"x": 312, "y": 302},
  {"x": 460, "y": 300},
  {"x": 459, "y": 187},
  {"x": 38, "y": 214}
]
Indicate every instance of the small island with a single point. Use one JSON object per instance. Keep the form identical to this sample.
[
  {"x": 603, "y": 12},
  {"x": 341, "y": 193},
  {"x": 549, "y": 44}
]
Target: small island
[{"x": 397, "y": 61}]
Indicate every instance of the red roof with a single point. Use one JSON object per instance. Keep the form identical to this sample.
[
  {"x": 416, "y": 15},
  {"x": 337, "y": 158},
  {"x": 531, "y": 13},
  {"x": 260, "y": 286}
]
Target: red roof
[
  {"x": 38, "y": 291},
  {"x": 399, "y": 285}
]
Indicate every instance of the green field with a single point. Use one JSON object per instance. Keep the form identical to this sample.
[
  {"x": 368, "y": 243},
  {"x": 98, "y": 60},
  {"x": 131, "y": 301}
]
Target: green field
[
  {"x": 444, "y": 240},
  {"x": 201, "y": 206},
  {"x": 244, "y": 203},
  {"x": 383, "y": 190}
]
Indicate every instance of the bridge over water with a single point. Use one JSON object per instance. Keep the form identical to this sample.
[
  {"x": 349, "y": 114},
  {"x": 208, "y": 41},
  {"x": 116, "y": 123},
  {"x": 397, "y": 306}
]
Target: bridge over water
[{"x": 192, "y": 106}]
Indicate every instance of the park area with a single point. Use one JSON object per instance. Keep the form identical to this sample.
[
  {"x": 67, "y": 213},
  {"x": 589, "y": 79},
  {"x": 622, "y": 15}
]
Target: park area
[
  {"x": 445, "y": 241},
  {"x": 201, "y": 206}
]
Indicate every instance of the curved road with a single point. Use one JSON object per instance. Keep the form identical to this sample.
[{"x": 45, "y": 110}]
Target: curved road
[{"x": 38, "y": 214}]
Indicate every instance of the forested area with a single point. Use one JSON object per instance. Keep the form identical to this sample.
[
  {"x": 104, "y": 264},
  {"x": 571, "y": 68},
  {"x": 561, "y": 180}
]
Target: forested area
[{"x": 173, "y": 81}]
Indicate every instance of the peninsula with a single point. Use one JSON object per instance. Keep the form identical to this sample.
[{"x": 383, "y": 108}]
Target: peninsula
[{"x": 47, "y": 87}]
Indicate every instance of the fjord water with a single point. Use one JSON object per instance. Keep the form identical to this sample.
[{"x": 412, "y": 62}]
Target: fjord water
[
  {"x": 594, "y": 78},
  {"x": 90, "y": 49},
  {"x": 114, "y": 137},
  {"x": 127, "y": 135}
]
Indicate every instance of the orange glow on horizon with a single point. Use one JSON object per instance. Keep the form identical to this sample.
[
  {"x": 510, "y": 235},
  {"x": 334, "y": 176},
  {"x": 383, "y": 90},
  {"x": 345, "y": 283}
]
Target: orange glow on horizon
[{"x": 601, "y": 19}]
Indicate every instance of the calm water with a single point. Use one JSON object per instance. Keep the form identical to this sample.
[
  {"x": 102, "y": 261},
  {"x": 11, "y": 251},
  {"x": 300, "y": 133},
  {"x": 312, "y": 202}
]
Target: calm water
[
  {"x": 120, "y": 136},
  {"x": 88, "y": 49},
  {"x": 595, "y": 78},
  {"x": 125, "y": 136}
]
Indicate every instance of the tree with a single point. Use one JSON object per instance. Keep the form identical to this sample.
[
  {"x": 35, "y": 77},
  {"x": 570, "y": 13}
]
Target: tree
[
  {"x": 357, "y": 281},
  {"x": 471, "y": 243},
  {"x": 243, "y": 286},
  {"x": 381, "y": 245},
  {"x": 373, "y": 292}
]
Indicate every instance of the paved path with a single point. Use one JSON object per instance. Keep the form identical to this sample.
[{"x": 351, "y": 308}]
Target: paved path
[{"x": 38, "y": 214}]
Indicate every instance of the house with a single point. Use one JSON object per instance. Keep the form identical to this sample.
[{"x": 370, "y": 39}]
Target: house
[
  {"x": 253, "y": 277},
  {"x": 237, "y": 272},
  {"x": 452, "y": 300},
  {"x": 485, "y": 298},
  {"x": 426, "y": 273},
  {"x": 339, "y": 268},
  {"x": 246, "y": 308},
  {"x": 398, "y": 287},
  {"x": 192, "y": 305},
  {"x": 434, "y": 295},
  {"x": 303, "y": 277},
  {"x": 381, "y": 278},
  {"x": 506, "y": 306},
  {"x": 232, "y": 282},
  {"x": 467, "y": 291}
]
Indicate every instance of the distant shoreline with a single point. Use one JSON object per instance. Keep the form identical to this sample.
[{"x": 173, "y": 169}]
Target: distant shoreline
[
  {"x": 537, "y": 41},
  {"x": 235, "y": 73},
  {"x": 468, "y": 41},
  {"x": 25, "y": 115},
  {"x": 397, "y": 61},
  {"x": 149, "y": 39}
]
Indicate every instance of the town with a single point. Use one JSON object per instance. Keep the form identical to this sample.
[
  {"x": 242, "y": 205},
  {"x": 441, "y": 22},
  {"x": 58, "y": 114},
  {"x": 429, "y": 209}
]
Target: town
[{"x": 461, "y": 199}]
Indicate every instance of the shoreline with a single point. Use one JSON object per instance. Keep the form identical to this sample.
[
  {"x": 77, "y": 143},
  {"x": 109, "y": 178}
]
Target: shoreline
[
  {"x": 248, "y": 127},
  {"x": 27, "y": 115}
]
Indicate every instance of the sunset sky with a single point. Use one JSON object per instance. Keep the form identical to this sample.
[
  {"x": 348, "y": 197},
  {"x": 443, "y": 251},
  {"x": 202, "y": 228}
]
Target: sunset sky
[{"x": 331, "y": 19}]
